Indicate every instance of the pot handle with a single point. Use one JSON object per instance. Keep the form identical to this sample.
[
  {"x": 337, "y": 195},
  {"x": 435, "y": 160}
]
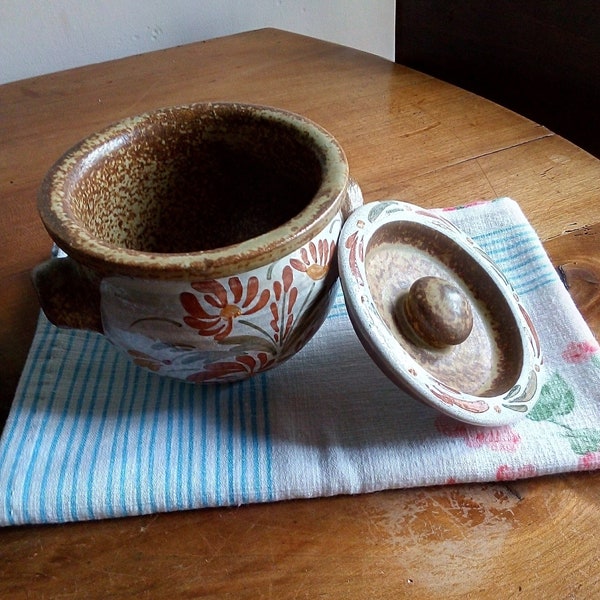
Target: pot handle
[
  {"x": 68, "y": 294},
  {"x": 354, "y": 198}
]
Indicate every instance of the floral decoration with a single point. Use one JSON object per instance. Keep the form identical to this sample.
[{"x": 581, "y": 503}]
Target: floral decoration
[
  {"x": 557, "y": 401},
  {"x": 221, "y": 305},
  {"x": 254, "y": 321},
  {"x": 479, "y": 409},
  {"x": 315, "y": 259},
  {"x": 498, "y": 439},
  {"x": 241, "y": 366},
  {"x": 355, "y": 243}
]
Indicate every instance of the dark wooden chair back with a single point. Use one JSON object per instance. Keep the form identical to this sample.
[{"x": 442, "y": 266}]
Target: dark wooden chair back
[{"x": 540, "y": 58}]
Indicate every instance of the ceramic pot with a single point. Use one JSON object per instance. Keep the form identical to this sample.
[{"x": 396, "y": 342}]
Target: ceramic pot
[
  {"x": 437, "y": 315},
  {"x": 200, "y": 239}
]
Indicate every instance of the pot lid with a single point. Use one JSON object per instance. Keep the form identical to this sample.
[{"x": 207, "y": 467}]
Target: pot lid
[{"x": 437, "y": 315}]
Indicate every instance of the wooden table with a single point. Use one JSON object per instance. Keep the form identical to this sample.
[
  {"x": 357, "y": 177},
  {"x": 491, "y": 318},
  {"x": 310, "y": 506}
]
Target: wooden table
[{"x": 407, "y": 136}]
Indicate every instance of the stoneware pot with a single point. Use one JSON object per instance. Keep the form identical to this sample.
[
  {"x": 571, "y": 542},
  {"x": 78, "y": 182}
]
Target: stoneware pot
[
  {"x": 437, "y": 315},
  {"x": 200, "y": 239}
]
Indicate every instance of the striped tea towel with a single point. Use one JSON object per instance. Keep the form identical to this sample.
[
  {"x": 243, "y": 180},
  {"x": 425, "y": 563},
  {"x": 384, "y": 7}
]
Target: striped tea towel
[{"x": 92, "y": 436}]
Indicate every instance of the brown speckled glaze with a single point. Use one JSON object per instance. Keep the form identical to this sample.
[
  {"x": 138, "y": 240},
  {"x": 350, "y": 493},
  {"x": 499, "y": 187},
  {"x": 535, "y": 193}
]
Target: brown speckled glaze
[
  {"x": 436, "y": 312},
  {"x": 200, "y": 238},
  {"x": 199, "y": 190},
  {"x": 484, "y": 372},
  {"x": 488, "y": 361}
]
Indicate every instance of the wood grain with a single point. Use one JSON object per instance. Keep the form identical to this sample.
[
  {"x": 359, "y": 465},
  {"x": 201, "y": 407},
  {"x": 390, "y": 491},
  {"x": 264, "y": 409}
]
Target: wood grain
[
  {"x": 539, "y": 58},
  {"x": 575, "y": 255},
  {"x": 407, "y": 136},
  {"x": 528, "y": 539}
]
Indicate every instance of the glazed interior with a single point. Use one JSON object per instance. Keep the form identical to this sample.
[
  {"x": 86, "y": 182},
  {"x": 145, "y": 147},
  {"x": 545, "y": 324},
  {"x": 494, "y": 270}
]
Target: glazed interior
[
  {"x": 489, "y": 362},
  {"x": 185, "y": 181}
]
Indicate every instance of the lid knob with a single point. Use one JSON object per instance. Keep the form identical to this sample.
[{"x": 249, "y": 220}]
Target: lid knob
[{"x": 436, "y": 311}]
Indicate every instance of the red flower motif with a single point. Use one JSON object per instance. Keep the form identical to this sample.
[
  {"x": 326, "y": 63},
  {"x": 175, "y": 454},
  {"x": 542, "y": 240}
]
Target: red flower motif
[
  {"x": 315, "y": 265},
  {"x": 280, "y": 289},
  {"x": 589, "y": 461},
  {"x": 579, "y": 352},
  {"x": 222, "y": 305},
  {"x": 239, "y": 368},
  {"x": 499, "y": 439},
  {"x": 472, "y": 406},
  {"x": 508, "y": 473},
  {"x": 355, "y": 244}
]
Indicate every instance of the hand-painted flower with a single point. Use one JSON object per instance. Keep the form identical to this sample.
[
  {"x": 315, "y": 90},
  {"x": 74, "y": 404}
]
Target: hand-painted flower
[
  {"x": 240, "y": 368},
  {"x": 282, "y": 321},
  {"x": 215, "y": 316},
  {"x": 315, "y": 264},
  {"x": 355, "y": 243}
]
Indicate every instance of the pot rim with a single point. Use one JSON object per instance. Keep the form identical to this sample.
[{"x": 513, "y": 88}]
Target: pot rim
[{"x": 108, "y": 258}]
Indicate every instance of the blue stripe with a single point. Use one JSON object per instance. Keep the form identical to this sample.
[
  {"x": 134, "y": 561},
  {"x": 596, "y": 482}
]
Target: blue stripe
[
  {"x": 502, "y": 238},
  {"x": 499, "y": 237},
  {"x": 47, "y": 418},
  {"x": 140, "y": 448},
  {"x": 537, "y": 284},
  {"x": 89, "y": 420},
  {"x": 243, "y": 391},
  {"x": 152, "y": 490},
  {"x": 514, "y": 255},
  {"x": 48, "y": 336},
  {"x": 531, "y": 269},
  {"x": 524, "y": 260},
  {"x": 533, "y": 262},
  {"x": 168, "y": 415},
  {"x": 69, "y": 415},
  {"x": 129, "y": 400},
  {"x": 256, "y": 458},
  {"x": 110, "y": 485},
  {"x": 108, "y": 400},
  {"x": 525, "y": 274},
  {"x": 181, "y": 438},
  {"x": 230, "y": 446},
  {"x": 203, "y": 445},
  {"x": 191, "y": 445},
  {"x": 217, "y": 480},
  {"x": 268, "y": 441},
  {"x": 537, "y": 274}
]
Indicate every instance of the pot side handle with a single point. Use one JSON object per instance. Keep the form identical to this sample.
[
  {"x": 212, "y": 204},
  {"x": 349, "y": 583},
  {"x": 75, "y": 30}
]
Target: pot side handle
[
  {"x": 68, "y": 295},
  {"x": 354, "y": 198}
]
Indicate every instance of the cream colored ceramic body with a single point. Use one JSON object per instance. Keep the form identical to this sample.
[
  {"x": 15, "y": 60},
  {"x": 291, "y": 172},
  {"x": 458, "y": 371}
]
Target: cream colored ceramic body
[
  {"x": 201, "y": 240},
  {"x": 227, "y": 328}
]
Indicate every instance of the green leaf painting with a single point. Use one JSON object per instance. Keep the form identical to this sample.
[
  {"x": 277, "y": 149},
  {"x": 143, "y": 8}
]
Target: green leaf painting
[
  {"x": 556, "y": 399},
  {"x": 583, "y": 441}
]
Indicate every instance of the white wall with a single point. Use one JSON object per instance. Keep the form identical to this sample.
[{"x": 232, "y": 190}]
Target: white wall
[{"x": 43, "y": 36}]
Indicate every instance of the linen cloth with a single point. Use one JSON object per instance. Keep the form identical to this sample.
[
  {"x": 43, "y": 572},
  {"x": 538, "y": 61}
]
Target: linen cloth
[{"x": 92, "y": 436}]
